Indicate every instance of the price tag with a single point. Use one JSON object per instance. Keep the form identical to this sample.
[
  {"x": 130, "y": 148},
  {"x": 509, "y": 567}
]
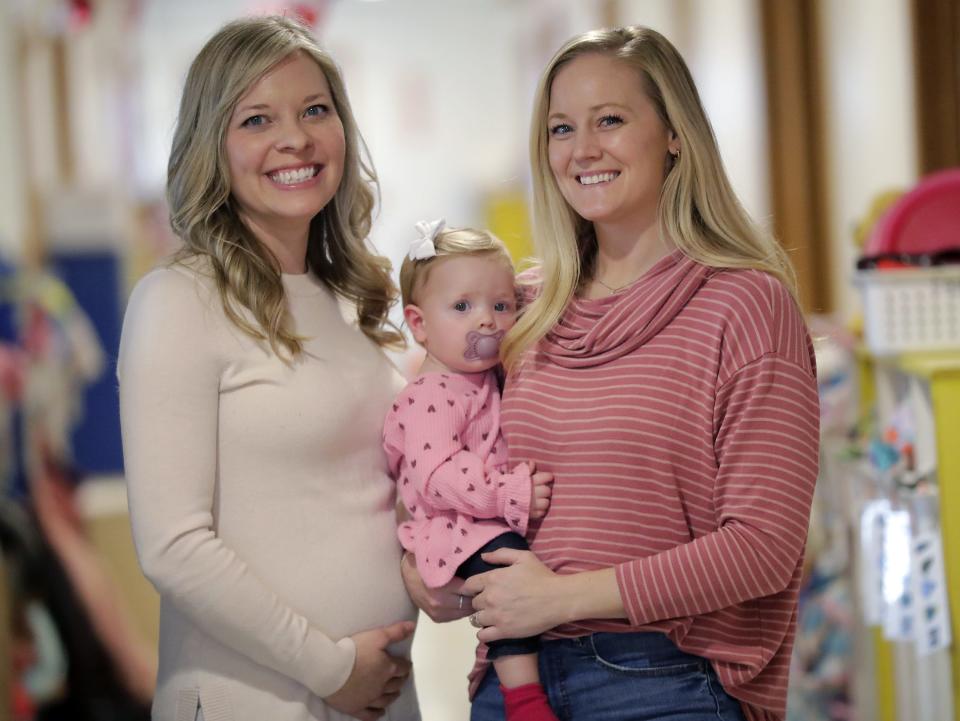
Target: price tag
[
  {"x": 930, "y": 594},
  {"x": 872, "y": 521},
  {"x": 898, "y": 598}
]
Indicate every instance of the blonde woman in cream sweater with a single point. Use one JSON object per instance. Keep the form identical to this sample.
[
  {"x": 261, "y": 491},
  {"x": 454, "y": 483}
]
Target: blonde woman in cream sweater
[{"x": 253, "y": 389}]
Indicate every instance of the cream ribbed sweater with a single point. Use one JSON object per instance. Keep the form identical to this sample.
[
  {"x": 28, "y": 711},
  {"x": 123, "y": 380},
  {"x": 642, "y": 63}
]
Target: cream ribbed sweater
[{"x": 259, "y": 498}]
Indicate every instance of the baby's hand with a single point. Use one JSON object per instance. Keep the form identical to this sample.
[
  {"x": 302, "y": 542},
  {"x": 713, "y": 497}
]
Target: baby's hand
[{"x": 540, "y": 490}]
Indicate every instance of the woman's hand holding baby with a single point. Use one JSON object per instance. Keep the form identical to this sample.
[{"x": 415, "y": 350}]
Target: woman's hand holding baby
[{"x": 440, "y": 604}]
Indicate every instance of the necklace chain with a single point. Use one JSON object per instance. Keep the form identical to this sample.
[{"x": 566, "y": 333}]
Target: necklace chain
[{"x": 618, "y": 288}]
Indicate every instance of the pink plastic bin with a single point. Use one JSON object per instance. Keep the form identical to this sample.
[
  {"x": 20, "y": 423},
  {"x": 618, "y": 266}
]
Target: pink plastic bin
[{"x": 924, "y": 220}]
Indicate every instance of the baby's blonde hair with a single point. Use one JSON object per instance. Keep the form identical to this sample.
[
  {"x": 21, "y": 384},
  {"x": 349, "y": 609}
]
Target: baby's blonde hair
[{"x": 449, "y": 242}]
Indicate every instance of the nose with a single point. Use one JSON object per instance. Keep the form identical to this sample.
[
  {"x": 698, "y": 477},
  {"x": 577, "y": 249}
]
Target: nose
[
  {"x": 486, "y": 319},
  {"x": 585, "y": 147},
  {"x": 292, "y": 137}
]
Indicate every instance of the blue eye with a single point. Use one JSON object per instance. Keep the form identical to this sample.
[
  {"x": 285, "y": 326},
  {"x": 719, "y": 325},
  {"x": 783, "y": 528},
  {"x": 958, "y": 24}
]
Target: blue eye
[
  {"x": 502, "y": 307},
  {"x": 317, "y": 111},
  {"x": 461, "y": 306},
  {"x": 254, "y": 121},
  {"x": 609, "y": 120},
  {"x": 560, "y": 129}
]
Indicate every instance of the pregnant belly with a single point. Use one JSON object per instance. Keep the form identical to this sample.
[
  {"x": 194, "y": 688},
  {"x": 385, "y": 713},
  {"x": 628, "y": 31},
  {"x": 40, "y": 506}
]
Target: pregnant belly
[{"x": 343, "y": 575}]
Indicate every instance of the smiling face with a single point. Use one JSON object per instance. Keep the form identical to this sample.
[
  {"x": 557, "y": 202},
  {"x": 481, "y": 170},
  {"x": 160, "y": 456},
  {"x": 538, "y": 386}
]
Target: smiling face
[
  {"x": 285, "y": 147},
  {"x": 607, "y": 146},
  {"x": 463, "y": 309}
]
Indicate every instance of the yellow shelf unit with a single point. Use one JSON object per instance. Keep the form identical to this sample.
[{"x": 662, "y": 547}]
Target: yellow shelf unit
[
  {"x": 928, "y": 687},
  {"x": 874, "y": 677}
]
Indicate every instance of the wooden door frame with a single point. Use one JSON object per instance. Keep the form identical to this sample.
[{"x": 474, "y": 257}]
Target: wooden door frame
[
  {"x": 799, "y": 182},
  {"x": 936, "y": 54}
]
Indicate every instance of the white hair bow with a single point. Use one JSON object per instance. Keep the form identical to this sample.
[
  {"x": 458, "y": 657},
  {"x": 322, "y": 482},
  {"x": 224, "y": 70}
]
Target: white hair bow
[{"x": 422, "y": 247}]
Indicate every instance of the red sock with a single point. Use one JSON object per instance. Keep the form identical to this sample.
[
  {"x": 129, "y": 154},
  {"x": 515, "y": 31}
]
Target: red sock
[{"x": 527, "y": 703}]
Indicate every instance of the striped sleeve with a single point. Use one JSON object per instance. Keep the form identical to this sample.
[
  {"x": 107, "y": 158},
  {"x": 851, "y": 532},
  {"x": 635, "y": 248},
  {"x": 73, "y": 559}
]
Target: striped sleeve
[{"x": 766, "y": 421}]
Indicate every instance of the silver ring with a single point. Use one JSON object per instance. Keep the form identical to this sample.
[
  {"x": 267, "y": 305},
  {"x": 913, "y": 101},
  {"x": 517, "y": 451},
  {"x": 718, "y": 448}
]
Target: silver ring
[
  {"x": 475, "y": 620},
  {"x": 461, "y": 601}
]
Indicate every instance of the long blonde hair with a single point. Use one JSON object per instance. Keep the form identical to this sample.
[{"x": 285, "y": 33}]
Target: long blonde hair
[
  {"x": 205, "y": 215},
  {"x": 698, "y": 210}
]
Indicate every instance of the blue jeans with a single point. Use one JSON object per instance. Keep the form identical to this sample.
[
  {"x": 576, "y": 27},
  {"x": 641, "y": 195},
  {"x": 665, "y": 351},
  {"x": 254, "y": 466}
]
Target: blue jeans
[{"x": 620, "y": 677}]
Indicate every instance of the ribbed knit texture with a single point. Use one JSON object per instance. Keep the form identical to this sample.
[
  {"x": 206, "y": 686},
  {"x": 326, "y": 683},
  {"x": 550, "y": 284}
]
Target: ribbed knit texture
[
  {"x": 681, "y": 420},
  {"x": 259, "y": 499},
  {"x": 526, "y": 703},
  {"x": 444, "y": 449}
]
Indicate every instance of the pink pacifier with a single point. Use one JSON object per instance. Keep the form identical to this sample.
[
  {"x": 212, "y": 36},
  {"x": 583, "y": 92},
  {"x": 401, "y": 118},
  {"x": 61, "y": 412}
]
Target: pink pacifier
[{"x": 483, "y": 346}]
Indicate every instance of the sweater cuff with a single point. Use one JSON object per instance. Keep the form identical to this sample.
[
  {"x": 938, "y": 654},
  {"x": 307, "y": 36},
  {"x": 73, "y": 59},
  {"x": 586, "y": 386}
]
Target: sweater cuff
[
  {"x": 638, "y": 603},
  {"x": 327, "y": 665},
  {"x": 513, "y": 498}
]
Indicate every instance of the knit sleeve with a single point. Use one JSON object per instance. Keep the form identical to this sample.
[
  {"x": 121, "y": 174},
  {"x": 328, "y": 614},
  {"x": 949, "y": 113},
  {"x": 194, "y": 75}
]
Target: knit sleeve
[
  {"x": 766, "y": 420},
  {"x": 445, "y": 472},
  {"x": 169, "y": 371}
]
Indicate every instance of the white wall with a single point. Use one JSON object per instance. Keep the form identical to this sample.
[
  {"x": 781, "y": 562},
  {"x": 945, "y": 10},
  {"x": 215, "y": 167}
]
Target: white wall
[
  {"x": 721, "y": 44},
  {"x": 726, "y": 59},
  {"x": 171, "y": 34},
  {"x": 433, "y": 88},
  {"x": 871, "y": 123}
]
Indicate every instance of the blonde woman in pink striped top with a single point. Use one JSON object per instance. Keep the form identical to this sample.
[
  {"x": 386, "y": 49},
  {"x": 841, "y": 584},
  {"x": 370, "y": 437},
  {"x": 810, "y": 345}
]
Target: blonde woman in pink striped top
[{"x": 663, "y": 373}]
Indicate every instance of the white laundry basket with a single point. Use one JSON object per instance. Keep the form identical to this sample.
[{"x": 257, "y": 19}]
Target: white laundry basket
[{"x": 911, "y": 309}]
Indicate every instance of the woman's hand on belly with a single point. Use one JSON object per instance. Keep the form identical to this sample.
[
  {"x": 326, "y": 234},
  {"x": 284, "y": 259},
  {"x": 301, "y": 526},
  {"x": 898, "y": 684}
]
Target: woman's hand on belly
[
  {"x": 440, "y": 604},
  {"x": 377, "y": 677}
]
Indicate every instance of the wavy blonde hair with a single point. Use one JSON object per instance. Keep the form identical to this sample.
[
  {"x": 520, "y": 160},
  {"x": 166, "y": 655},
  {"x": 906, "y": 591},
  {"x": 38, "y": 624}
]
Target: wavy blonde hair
[
  {"x": 698, "y": 210},
  {"x": 205, "y": 215}
]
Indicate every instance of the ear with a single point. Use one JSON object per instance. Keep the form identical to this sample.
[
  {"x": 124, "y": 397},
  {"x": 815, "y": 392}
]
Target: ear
[
  {"x": 673, "y": 143},
  {"x": 415, "y": 322}
]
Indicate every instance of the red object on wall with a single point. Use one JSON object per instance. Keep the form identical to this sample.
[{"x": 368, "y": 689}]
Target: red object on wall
[
  {"x": 308, "y": 15},
  {"x": 80, "y": 13},
  {"x": 312, "y": 13}
]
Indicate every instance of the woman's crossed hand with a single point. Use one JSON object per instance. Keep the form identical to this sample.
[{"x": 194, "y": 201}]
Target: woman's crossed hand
[{"x": 377, "y": 677}]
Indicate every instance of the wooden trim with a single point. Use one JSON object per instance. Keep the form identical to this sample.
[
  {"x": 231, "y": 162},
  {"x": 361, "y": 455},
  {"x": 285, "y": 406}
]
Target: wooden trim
[
  {"x": 32, "y": 249},
  {"x": 936, "y": 51},
  {"x": 798, "y": 177},
  {"x": 61, "y": 99},
  {"x": 610, "y": 13}
]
